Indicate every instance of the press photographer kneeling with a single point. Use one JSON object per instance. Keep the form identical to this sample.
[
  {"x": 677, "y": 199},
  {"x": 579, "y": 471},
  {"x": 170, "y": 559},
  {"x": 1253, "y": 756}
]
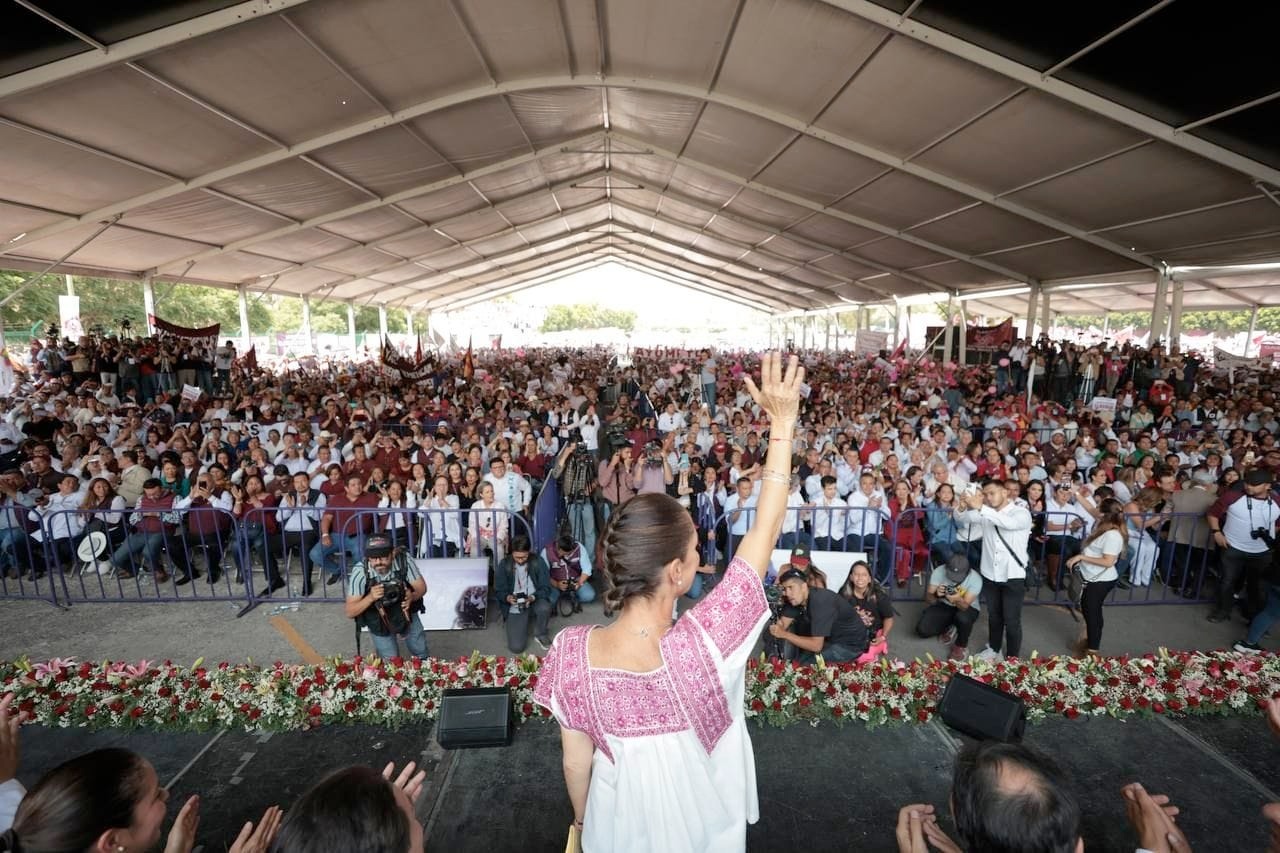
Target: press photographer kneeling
[
  {"x": 834, "y": 629},
  {"x": 384, "y": 594}
]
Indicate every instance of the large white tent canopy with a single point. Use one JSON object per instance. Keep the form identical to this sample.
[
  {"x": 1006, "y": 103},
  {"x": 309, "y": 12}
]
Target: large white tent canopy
[{"x": 791, "y": 155}]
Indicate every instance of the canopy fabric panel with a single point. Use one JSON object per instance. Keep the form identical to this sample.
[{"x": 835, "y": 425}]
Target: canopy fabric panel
[{"x": 796, "y": 155}]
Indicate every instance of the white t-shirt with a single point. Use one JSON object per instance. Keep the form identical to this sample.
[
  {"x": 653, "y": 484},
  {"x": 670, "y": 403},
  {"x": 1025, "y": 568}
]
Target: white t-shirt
[{"x": 1111, "y": 542}]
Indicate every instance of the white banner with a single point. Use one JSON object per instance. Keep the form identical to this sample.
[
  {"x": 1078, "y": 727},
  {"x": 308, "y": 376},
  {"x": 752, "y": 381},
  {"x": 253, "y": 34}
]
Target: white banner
[
  {"x": 191, "y": 392},
  {"x": 1223, "y": 360},
  {"x": 69, "y": 317},
  {"x": 1103, "y": 404},
  {"x": 870, "y": 343}
]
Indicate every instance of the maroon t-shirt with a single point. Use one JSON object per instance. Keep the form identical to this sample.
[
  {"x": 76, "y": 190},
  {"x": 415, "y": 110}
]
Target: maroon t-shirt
[{"x": 345, "y": 519}]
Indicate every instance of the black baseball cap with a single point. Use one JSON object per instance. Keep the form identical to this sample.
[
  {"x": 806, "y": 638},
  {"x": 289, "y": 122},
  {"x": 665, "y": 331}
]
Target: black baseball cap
[
  {"x": 1258, "y": 477},
  {"x": 378, "y": 545},
  {"x": 957, "y": 568},
  {"x": 800, "y": 556}
]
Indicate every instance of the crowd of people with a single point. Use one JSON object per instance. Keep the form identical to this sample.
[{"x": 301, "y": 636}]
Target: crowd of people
[
  {"x": 1085, "y": 468},
  {"x": 645, "y": 455}
]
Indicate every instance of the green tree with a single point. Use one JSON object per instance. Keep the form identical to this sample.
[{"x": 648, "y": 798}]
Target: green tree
[
  {"x": 561, "y": 318},
  {"x": 1218, "y": 322}
]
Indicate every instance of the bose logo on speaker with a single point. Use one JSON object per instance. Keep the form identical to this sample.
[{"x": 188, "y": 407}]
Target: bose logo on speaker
[{"x": 474, "y": 712}]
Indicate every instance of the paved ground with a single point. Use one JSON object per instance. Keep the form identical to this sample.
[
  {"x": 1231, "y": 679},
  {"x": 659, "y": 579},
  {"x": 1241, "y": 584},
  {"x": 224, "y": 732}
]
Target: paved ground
[
  {"x": 821, "y": 788},
  {"x": 209, "y": 629}
]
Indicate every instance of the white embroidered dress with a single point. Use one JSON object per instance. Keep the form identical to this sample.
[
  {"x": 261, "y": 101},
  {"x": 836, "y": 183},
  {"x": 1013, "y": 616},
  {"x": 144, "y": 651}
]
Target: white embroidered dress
[{"x": 673, "y": 769}]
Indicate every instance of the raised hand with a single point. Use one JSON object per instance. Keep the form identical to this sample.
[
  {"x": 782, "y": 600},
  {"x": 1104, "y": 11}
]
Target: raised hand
[
  {"x": 779, "y": 391},
  {"x": 408, "y": 781},
  {"x": 183, "y": 835},
  {"x": 258, "y": 839}
]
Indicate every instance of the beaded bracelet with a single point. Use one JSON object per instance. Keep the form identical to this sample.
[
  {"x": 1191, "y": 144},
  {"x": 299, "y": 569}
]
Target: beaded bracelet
[{"x": 775, "y": 477}]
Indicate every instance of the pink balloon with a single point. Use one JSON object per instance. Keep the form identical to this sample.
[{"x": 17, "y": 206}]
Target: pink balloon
[{"x": 991, "y": 389}]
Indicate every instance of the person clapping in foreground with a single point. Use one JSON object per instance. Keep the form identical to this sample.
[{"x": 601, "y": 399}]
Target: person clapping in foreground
[
  {"x": 1012, "y": 798},
  {"x": 111, "y": 801}
]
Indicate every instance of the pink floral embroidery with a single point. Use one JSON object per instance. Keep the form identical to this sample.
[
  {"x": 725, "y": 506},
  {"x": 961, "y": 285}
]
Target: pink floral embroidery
[
  {"x": 686, "y": 693},
  {"x": 696, "y": 683},
  {"x": 731, "y": 611}
]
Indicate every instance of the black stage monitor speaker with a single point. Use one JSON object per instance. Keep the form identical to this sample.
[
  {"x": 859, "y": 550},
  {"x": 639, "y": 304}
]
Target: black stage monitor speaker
[
  {"x": 475, "y": 716},
  {"x": 979, "y": 710}
]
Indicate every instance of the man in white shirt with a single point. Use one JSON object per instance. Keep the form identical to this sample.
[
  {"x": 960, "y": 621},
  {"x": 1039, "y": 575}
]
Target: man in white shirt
[
  {"x": 509, "y": 488},
  {"x": 740, "y": 513},
  {"x": 848, "y": 469},
  {"x": 670, "y": 420},
  {"x": 1006, "y": 527},
  {"x": 868, "y": 513},
  {"x": 830, "y": 517}
]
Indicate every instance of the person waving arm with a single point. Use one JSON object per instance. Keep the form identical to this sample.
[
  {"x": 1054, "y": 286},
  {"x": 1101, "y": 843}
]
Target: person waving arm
[{"x": 779, "y": 396}]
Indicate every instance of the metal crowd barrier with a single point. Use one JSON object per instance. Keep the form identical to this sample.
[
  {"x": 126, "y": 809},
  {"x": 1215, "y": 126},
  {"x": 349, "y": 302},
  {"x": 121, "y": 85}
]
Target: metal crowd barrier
[
  {"x": 1168, "y": 565},
  {"x": 96, "y": 556},
  {"x": 207, "y": 554}
]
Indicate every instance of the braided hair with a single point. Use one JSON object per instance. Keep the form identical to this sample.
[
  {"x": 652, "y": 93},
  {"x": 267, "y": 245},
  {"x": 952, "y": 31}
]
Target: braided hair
[{"x": 643, "y": 536}]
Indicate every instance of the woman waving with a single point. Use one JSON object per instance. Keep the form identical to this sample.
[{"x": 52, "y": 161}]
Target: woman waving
[{"x": 656, "y": 751}]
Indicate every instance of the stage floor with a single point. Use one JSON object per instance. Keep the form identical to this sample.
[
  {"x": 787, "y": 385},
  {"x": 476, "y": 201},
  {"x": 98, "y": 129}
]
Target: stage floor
[{"x": 821, "y": 789}]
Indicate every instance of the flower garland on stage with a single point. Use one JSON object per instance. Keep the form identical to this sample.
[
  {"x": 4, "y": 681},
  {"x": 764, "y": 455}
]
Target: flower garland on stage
[{"x": 64, "y": 693}]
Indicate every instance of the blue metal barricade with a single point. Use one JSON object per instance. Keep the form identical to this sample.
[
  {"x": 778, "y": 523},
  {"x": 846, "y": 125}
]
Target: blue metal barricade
[
  {"x": 97, "y": 556},
  {"x": 24, "y": 570}
]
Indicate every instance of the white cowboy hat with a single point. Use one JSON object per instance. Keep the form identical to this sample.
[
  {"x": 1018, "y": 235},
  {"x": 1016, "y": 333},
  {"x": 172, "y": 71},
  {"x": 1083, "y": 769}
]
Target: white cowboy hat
[{"x": 93, "y": 546}]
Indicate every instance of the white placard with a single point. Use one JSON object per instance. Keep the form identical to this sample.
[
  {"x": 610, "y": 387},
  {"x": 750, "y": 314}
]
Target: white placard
[
  {"x": 191, "y": 392},
  {"x": 870, "y": 343},
  {"x": 457, "y": 593},
  {"x": 1103, "y": 404},
  {"x": 834, "y": 564},
  {"x": 805, "y": 390}
]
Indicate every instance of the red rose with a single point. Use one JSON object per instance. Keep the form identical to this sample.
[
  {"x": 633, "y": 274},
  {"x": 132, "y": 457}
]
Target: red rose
[
  {"x": 1158, "y": 708},
  {"x": 1126, "y": 703},
  {"x": 777, "y": 706},
  {"x": 526, "y": 709},
  {"x": 418, "y": 682},
  {"x": 896, "y": 713},
  {"x": 164, "y": 692},
  {"x": 255, "y": 713},
  {"x": 1072, "y": 713},
  {"x": 1090, "y": 681},
  {"x": 91, "y": 710},
  {"x": 757, "y": 705},
  {"x": 380, "y": 704},
  {"x": 406, "y": 703},
  {"x": 431, "y": 705},
  {"x": 805, "y": 702},
  {"x": 189, "y": 706},
  {"x": 314, "y": 711},
  {"x": 837, "y": 711},
  {"x": 922, "y": 715},
  {"x": 215, "y": 697},
  {"x": 350, "y": 707},
  {"x": 136, "y": 713},
  {"x": 303, "y": 689}
]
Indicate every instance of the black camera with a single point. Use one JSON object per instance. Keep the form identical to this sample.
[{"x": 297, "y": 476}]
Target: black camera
[
  {"x": 1265, "y": 535},
  {"x": 615, "y": 437},
  {"x": 575, "y": 436},
  {"x": 393, "y": 592},
  {"x": 522, "y": 601}
]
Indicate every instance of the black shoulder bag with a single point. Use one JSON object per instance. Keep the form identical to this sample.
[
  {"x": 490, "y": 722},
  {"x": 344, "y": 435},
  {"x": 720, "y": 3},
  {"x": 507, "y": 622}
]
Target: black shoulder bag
[{"x": 1034, "y": 571}]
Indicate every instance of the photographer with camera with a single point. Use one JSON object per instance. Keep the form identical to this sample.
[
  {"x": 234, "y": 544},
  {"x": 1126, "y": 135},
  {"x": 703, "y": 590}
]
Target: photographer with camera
[
  {"x": 570, "y": 567},
  {"x": 951, "y": 605},
  {"x": 522, "y": 582},
  {"x": 575, "y": 469},
  {"x": 652, "y": 472},
  {"x": 384, "y": 594},
  {"x": 1244, "y": 529}
]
